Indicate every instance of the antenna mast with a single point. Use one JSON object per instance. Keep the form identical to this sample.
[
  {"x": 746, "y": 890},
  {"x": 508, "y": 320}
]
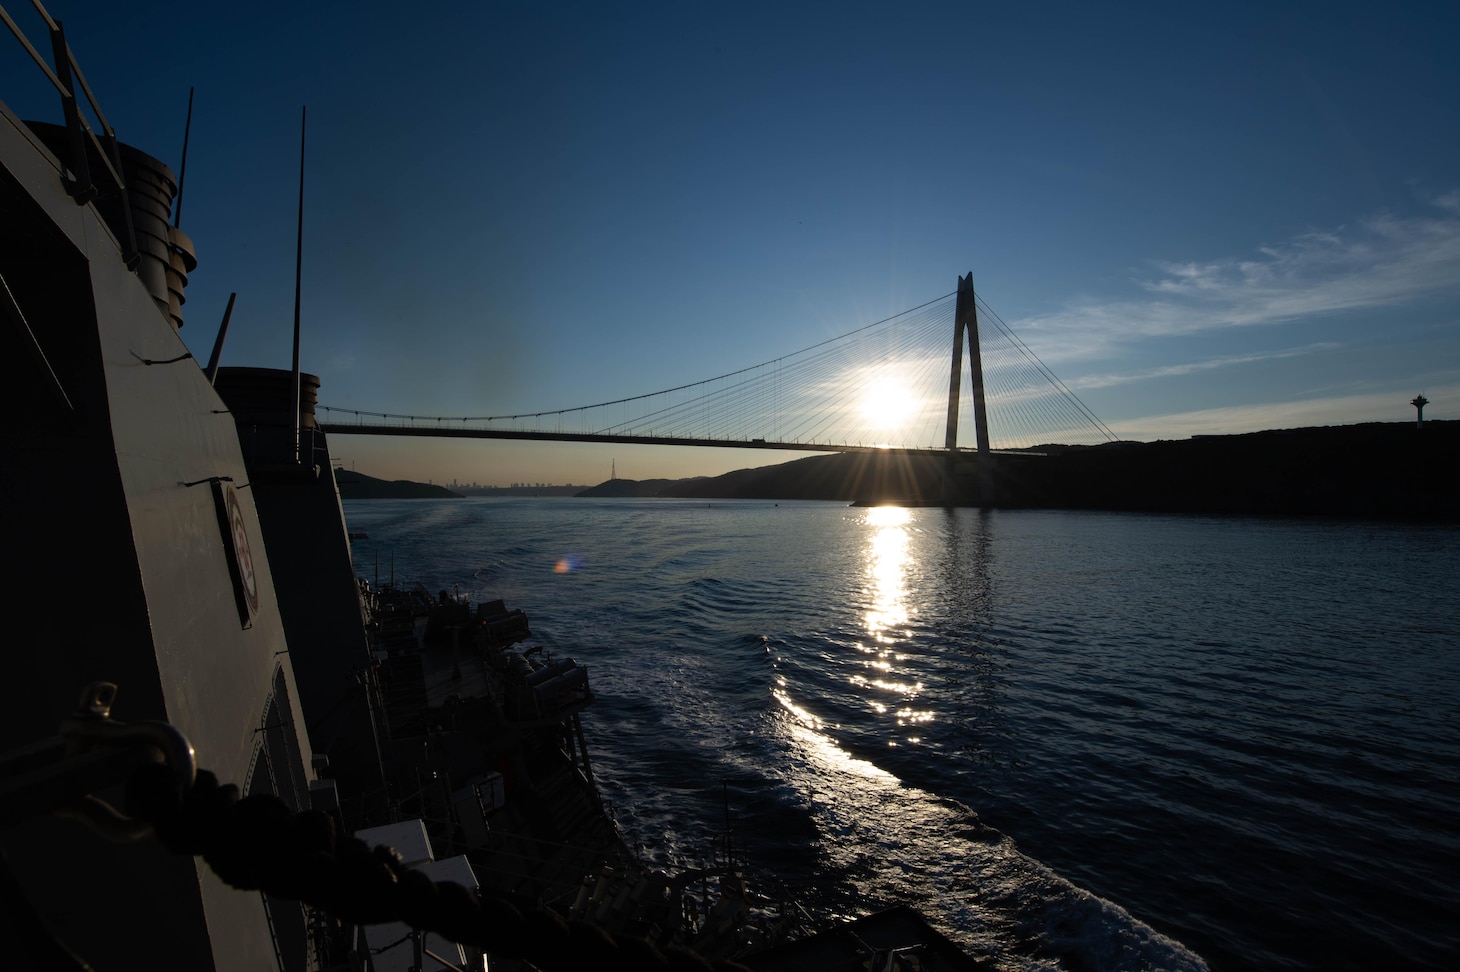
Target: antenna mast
[
  {"x": 182, "y": 172},
  {"x": 298, "y": 272}
]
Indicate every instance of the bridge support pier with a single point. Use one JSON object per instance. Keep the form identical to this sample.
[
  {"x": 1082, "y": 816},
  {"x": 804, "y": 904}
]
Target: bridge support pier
[{"x": 965, "y": 328}]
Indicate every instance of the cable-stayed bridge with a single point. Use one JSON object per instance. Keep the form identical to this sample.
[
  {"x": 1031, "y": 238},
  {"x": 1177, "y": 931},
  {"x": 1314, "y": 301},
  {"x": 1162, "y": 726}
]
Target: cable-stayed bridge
[{"x": 884, "y": 386}]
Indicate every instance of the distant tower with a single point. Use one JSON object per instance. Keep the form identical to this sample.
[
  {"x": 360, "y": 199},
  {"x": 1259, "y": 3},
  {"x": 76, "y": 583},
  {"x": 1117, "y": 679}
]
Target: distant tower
[
  {"x": 965, "y": 330},
  {"x": 1419, "y": 402},
  {"x": 612, "y": 469}
]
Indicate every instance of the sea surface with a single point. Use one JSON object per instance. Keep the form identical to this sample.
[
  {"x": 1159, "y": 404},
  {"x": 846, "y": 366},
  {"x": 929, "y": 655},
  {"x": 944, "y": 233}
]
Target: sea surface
[{"x": 1083, "y": 741}]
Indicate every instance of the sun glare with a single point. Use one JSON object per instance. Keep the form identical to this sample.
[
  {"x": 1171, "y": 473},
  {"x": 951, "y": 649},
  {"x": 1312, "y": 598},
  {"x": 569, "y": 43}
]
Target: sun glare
[{"x": 888, "y": 403}]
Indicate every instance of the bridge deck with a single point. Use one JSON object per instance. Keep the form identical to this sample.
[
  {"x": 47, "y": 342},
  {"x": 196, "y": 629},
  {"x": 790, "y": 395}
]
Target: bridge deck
[{"x": 350, "y": 428}]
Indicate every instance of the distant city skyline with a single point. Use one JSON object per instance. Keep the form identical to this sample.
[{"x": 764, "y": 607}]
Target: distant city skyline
[{"x": 1206, "y": 220}]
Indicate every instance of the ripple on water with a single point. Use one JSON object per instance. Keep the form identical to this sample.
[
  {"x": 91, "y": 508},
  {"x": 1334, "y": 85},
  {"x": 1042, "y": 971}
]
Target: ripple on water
[{"x": 1242, "y": 731}]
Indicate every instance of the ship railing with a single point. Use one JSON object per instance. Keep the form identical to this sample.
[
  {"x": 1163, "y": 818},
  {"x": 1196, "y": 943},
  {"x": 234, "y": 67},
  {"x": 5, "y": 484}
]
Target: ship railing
[{"x": 66, "y": 78}]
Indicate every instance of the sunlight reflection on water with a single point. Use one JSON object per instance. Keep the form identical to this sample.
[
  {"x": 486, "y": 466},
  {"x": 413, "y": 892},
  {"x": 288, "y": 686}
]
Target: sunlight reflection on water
[
  {"x": 887, "y": 557},
  {"x": 888, "y": 560},
  {"x": 898, "y": 843}
]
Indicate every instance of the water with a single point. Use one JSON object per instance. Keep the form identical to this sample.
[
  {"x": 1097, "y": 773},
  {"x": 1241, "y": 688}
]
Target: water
[{"x": 1075, "y": 740}]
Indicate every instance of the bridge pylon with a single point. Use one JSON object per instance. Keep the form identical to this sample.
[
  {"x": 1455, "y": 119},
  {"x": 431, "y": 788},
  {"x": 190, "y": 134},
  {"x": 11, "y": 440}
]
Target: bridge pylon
[{"x": 965, "y": 330}]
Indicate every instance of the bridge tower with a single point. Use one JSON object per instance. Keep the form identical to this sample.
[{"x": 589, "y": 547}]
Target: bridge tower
[{"x": 965, "y": 322}]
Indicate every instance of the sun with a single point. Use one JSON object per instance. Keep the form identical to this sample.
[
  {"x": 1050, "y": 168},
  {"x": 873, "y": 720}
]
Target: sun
[{"x": 888, "y": 403}]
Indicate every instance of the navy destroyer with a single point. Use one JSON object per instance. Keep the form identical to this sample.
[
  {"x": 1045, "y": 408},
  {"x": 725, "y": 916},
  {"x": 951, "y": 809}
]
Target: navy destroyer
[
  {"x": 188, "y": 598},
  {"x": 221, "y": 613}
]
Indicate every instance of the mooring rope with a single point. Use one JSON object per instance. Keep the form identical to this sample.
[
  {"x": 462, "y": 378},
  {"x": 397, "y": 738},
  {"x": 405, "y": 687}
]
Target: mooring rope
[{"x": 257, "y": 843}]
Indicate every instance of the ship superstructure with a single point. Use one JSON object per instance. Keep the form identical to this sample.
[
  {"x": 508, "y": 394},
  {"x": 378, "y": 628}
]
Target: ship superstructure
[
  {"x": 134, "y": 541},
  {"x": 182, "y": 538},
  {"x": 179, "y": 558}
]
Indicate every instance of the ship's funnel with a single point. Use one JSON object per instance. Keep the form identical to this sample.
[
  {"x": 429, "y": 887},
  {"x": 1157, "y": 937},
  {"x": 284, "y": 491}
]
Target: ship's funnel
[
  {"x": 262, "y": 396},
  {"x": 260, "y": 400},
  {"x": 165, "y": 255}
]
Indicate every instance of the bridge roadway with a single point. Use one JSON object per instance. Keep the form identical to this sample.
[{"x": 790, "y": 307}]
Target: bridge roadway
[{"x": 353, "y": 428}]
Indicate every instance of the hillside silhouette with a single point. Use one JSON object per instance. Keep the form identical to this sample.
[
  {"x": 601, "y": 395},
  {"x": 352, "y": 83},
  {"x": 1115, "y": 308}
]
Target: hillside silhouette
[{"x": 1376, "y": 470}]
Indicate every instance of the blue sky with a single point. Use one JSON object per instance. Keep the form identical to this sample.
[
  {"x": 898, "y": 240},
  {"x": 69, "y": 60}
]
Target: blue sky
[{"x": 1205, "y": 219}]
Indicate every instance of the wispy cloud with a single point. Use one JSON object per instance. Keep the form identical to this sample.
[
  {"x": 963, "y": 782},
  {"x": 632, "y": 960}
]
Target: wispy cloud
[
  {"x": 1385, "y": 260},
  {"x": 1169, "y": 371},
  {"x": 1449, "y": 200}
]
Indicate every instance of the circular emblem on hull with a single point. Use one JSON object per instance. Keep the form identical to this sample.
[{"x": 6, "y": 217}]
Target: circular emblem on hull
[{"x": 241, "y": 552}]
